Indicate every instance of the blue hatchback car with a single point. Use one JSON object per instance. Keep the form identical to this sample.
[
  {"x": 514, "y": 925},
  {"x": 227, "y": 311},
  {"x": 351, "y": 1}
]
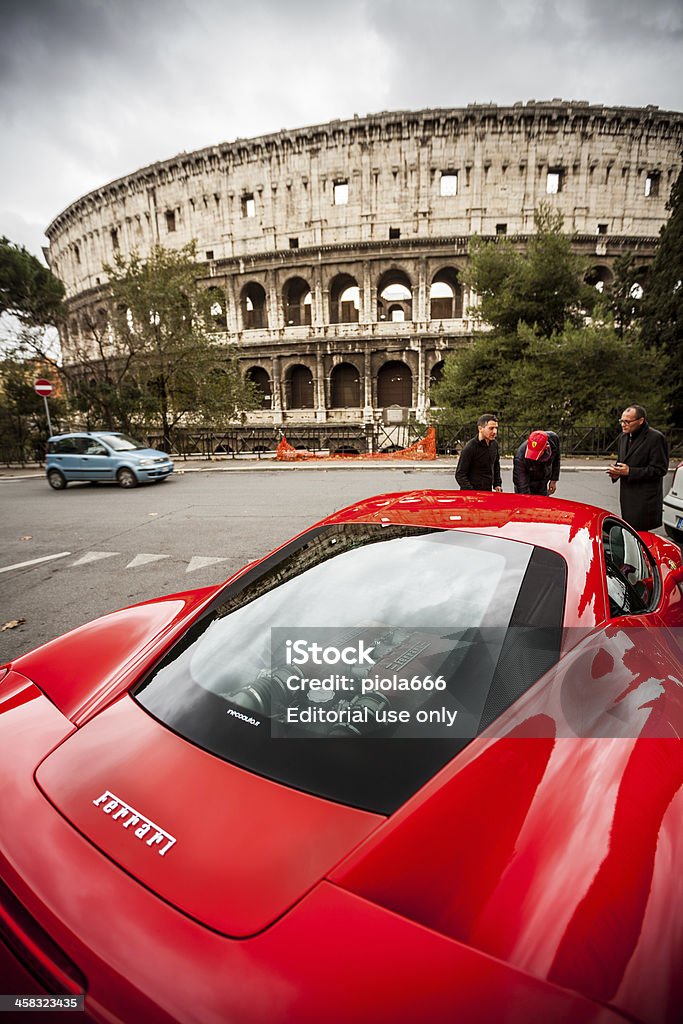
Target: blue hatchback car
[{"x": 103, "y": 455}]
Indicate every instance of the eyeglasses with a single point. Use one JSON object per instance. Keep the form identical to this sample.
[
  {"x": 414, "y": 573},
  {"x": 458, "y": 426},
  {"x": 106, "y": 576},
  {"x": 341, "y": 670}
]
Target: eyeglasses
[{"x": 628, "y": 421}]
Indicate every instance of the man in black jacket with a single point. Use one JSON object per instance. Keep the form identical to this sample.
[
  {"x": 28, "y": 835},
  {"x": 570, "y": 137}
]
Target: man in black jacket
[
  {"x": 536, "y": 465},
  {"x": 642, "y": 463},
  {"x": 478, "y": 467}
]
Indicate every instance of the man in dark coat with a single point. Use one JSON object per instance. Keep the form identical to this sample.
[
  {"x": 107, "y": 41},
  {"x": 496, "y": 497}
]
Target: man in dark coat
[
  {"x": 536, "y": 465},
  {"x": 478, "y": 467},
  {"x": 642, "y": 463}
]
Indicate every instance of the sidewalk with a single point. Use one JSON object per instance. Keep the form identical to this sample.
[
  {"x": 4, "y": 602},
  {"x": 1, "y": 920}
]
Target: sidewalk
[{"x": 253, "y": 464}]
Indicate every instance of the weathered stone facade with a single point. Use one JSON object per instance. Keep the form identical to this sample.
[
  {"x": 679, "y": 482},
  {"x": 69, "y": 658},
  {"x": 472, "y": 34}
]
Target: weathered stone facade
[{"x": 335, "y": 251}]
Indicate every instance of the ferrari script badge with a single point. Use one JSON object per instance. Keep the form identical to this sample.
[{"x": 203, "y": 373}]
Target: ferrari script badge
[{"x": 138, "y": 825}]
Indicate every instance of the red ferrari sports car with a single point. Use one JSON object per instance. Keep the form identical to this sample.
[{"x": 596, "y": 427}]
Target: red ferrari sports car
[{"x": 421, "y": 763}]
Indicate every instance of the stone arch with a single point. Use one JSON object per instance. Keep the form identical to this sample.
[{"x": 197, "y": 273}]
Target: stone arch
[
  {"x": 253, "y": 306},
  {"x": 436, "y": 373},
  {"x": 345, "y": 386},
  {"x": 394, "y": 384},
  {"x": 445, "y": 295},
  {"x": 344, "y": 300},
  {"x": 394, "y": 296},
  {"x": 297, "y": 302},
  {"x": 217, "y": 309},
  {"x": 299, "y": 387},
  {"x": 599, "y": 277},
  {"x": 260, "y": 378},
  {"x": 640, "y": 281},
  {"x": 95, "y": 321}
]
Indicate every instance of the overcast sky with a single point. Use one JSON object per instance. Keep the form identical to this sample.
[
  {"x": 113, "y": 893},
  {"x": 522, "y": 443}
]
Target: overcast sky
[{"x": 91, "y": 90}]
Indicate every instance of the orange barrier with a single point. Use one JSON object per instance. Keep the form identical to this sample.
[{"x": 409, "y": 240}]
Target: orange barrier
[{"x": 424, "y": 449}]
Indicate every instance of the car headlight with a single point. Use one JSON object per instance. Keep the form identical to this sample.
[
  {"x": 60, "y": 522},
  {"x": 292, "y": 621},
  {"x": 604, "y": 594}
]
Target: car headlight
[{"x": 145, "y": 462}]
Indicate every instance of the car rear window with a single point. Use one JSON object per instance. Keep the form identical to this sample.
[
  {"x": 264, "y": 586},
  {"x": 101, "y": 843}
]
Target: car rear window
[{"x": 359, "y": 659}]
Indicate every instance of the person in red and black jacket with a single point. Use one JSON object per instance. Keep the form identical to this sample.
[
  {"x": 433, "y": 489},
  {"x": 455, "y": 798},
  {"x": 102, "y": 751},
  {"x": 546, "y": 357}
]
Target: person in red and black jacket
[{"x": 536, "y": 464}]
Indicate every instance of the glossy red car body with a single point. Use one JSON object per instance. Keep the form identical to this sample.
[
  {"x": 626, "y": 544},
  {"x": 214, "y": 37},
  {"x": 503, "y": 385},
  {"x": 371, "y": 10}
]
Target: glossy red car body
[{"x": 537, "y": 876}]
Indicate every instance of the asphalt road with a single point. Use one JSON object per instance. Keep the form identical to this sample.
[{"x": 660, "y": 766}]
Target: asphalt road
[{"x": 105, "y": 547}]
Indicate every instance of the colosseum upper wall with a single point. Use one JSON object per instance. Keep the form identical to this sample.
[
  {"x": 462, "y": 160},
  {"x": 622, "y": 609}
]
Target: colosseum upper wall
[
  {"x": 610, "y": 170},
  {"x": 335, "y": 250}
]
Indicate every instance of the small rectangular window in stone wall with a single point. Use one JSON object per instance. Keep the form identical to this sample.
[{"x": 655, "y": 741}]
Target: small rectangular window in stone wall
[
  {"x": 449, "y": 183},
  {"x": 554, "y": 181},
  {"x": 652, "y": 184}
]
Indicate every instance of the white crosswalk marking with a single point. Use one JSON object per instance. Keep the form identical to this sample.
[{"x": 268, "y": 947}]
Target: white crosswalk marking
[
  {"x": 141, "y": 559},
  {"x": 94, "y": 556},
  {"x": 144, "y": 560},
  {"x": 199, "y": 562},
  {"x": 35, "y": 561}
]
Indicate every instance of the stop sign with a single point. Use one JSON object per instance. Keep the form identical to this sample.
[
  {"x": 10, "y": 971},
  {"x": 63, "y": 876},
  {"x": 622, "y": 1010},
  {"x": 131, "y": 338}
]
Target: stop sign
[{"x": 43, "y": 387}]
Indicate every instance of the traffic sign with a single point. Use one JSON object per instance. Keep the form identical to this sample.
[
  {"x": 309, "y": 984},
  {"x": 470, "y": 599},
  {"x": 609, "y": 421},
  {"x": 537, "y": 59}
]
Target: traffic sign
[{"x": 43, "y": 387}]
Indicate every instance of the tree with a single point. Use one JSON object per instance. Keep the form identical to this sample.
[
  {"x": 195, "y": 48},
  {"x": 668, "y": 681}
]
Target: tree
[
  {"x": 160, "y": 344},
  {"x": 587, "y": 375},
  {"x": 581, "y": 376},
  {"x": 100, "y": 382},
  {"x": 622, "y": 299},
  {"x": 28, "y": 290},
  {"x": 476, "y": 379},
  {"x": 542, "y": 286},
  {"x": 543, "y": 362},
  {"x": 23, "y": 426},
  {"x": 662, "y": 308}
]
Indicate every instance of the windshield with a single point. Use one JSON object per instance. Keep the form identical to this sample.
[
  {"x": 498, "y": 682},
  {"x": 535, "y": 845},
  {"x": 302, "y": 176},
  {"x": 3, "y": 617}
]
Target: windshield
[
  {"x": 123, "y": 443},
  {"x": 358, "y": 659}
]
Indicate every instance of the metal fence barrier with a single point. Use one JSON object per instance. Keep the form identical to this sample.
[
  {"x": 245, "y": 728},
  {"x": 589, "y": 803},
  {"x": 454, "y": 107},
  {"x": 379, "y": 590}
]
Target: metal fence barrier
[
  {"x": 208, "y": 443},
  {"x": 595, "y": 441}
]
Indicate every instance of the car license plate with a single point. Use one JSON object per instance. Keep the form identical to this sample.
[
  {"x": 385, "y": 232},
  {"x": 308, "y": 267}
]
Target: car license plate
[{"x": 679, "y": 522}]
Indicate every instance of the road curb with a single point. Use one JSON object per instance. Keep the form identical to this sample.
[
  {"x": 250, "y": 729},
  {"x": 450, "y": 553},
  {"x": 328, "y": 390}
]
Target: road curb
[{"x": 444, "y": 465}]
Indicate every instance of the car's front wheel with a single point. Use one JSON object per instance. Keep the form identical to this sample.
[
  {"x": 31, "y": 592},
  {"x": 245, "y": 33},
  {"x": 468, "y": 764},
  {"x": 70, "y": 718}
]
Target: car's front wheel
[
  {"x": 126, "y": 478},
  {"x": 675, "y": 534},
  {"x": 56, "y": 479}
]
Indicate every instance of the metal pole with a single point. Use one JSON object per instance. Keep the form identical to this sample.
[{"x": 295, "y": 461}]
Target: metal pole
[{"x": 47, "y": 413}]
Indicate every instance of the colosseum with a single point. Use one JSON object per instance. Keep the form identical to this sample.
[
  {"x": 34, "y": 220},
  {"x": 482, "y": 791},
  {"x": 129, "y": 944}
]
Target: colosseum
[{"x": 335, "y": 253}]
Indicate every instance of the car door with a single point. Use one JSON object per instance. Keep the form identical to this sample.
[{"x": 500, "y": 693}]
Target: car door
[
  {"x": 66, "y": 456},
  {"x": 79, "y": 468},
  {"x": 634, "y": 582},
  {"x": 98, "y": 460},
  {"x": 640, "y": 595}
]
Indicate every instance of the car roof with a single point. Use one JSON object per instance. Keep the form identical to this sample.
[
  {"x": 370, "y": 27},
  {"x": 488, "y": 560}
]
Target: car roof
[
  {"x": 480, "y": 510},
  {"x": 86, "y": 433},
  {"x": 70, "y": 433}
]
